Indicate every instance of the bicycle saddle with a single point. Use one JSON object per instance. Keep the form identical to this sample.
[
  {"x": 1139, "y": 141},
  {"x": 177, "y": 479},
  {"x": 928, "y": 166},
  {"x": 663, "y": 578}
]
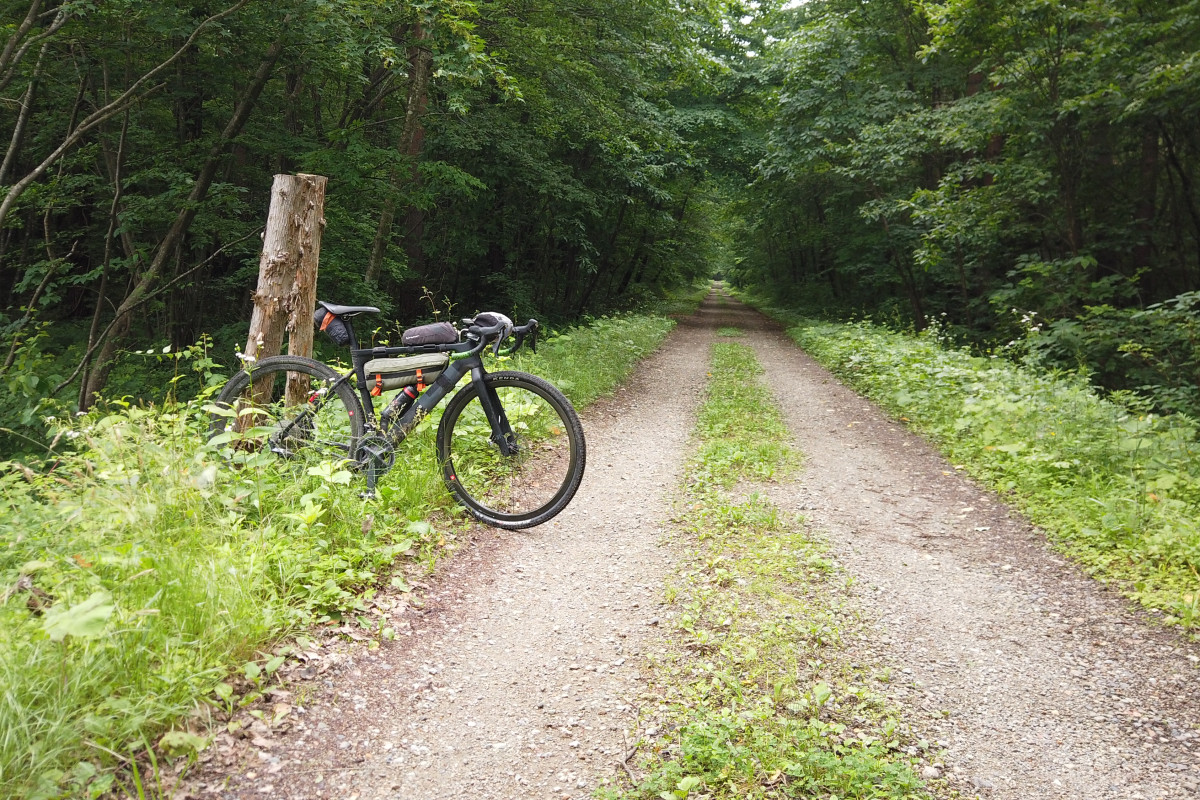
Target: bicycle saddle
[{"x": 347, "y": 311}]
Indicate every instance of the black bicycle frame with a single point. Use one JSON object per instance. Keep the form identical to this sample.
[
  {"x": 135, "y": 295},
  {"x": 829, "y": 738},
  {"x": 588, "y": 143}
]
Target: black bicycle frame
[{"x": 428, "y": 400}]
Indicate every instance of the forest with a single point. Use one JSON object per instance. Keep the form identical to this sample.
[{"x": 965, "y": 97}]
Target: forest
[
  {"x": 984, "y": 216},
  {"x": 1023, "y": 174}
]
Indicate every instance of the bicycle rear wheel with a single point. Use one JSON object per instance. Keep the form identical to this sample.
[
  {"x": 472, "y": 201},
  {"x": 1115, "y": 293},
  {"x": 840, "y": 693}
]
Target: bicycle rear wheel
[
  {"x": 546, "y": 451},
  {"x": 288, "y": 405}
]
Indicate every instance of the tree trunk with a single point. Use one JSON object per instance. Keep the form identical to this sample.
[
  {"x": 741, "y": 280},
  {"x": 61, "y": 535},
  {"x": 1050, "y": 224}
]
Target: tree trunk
[
  {"x": 604, "y": 265},
  {"x": 1147, "y": 205},
  {"x": 1188, "y": 198},
  {"x": 412, "y": 138},
  {"x": 287, "y": 273}
]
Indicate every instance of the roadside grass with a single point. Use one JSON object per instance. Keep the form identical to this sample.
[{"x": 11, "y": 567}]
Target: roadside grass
[
  {"x": 681, "y": 302},
  {"x": 590, "y": 361},
  {"x": 754, "y": 699},
  {"x": 140, "y": 572},
  {"x": 1116, "y": 488}
]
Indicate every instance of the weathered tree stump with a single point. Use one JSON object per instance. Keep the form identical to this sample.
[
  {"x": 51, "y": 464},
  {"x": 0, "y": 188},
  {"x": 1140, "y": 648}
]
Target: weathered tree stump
[{"x": 287, "y": 274}]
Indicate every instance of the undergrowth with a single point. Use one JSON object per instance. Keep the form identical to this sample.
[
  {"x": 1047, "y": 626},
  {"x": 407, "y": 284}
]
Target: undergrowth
[
  {"x": 754, "y": 700},
  {"x": 138, "y": 569},
  {"x": 1115, "y": 486}
]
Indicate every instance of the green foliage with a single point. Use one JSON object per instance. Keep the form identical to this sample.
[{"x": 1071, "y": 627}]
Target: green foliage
[
  {"x": 948, "y": 157},
  {"x": 730, "y": 449},
  {"x": 554, "y": 161},
  {"x": 1116, "y": 487},
  {"x": 25, "y": 401},
  {"x": 590, "y": 360},
  {"x": 756, "y": 702},
  {"x": 1155, "y": 352},
  {"x": 140, "y": 567}
]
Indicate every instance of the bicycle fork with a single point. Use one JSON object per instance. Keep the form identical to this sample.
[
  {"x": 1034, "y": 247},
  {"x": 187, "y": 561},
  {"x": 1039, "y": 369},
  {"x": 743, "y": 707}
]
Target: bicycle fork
[{"x": 502, "y": 432}]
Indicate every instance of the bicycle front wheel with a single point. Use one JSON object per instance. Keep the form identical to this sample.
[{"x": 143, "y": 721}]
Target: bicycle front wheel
[
  {"x": 529, "y": 470},
  {"x": 287, "y": 406}
]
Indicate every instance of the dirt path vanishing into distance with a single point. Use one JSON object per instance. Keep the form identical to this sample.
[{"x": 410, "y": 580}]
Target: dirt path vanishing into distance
[{"x": 523, "y": 675}]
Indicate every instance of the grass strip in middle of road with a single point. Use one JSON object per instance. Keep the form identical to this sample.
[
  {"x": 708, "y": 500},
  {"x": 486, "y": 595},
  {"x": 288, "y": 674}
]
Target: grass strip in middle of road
[{"x": 753, "y": 698}]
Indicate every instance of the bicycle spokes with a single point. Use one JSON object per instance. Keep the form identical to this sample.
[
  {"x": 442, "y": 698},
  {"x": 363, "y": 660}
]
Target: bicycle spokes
[{"x": 519, "y": 470}]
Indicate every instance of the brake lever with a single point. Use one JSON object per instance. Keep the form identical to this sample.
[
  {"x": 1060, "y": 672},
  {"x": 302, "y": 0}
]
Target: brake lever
[{"x": 504, "y": 333}]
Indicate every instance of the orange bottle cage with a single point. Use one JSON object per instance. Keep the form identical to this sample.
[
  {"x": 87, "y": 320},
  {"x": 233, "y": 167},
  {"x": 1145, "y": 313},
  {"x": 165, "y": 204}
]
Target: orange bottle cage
[{"x": 377, "y": 389}]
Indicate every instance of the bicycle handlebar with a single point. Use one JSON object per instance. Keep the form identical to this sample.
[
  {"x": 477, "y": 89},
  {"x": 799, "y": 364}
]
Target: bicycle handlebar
[{"x": 494, "y": 327}]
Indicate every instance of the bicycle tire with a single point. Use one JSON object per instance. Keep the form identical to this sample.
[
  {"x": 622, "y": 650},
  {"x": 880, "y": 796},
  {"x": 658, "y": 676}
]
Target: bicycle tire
[
  {"x": 522, "y": 489},
  {"x": 328, "y": 425}
]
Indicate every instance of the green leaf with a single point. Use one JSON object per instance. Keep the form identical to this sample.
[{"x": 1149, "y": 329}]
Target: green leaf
[
  {"x": 84, "y": 620},
  {"x": 330, "y": 474},
  {"x": 177, "y": 743},
  {"x": 419, "y": 528},
  {"x": 393, "y": 550}
]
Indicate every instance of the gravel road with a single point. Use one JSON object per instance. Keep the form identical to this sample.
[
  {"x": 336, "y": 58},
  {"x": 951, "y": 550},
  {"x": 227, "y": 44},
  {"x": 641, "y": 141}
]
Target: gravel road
[
  {"x": 524, "y": 670},
  {"x": 1039, "y": 682}
]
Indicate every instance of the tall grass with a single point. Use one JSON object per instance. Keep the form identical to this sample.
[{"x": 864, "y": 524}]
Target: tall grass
[
  {"x": 138, "y": 569},
  {"x": 1118, "y": 488},
  {"x": 589, "y": 361}
]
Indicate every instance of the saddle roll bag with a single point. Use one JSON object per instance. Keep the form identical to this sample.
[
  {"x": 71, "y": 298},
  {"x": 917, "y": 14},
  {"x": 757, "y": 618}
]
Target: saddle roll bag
[
  {"x": 385, "y": 374},
  {"x": 332, "y": 324},
  {"x": 433, "y": 333}
]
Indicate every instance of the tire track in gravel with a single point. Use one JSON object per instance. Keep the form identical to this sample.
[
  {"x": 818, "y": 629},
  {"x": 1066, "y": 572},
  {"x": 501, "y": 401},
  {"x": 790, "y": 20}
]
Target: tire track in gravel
[
  {"x": 1038, "y": 681},
  {"x": 525, "y": 681}
]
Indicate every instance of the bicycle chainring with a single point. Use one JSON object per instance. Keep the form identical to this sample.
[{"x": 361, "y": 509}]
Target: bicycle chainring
[{"x": 376, "y": 450}]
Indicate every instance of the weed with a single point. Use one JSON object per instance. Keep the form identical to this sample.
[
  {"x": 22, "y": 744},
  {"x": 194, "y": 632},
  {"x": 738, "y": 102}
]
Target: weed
[
  {"x": 1116, "y": 487},
  {"x": 755, "y": 705}
]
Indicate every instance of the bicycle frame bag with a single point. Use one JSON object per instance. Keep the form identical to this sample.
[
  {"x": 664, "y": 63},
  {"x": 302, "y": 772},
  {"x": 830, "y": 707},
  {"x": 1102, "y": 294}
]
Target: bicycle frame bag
[
  {"x": 333, "y": 325},
  {"x": 385, "y": 374},
  {"x": 433, "y": 333}
]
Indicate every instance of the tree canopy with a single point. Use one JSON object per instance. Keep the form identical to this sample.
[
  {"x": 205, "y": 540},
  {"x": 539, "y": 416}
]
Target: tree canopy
[
  {"x": 1008, "y": 169},
  {"x": 1001, "y": 167}
]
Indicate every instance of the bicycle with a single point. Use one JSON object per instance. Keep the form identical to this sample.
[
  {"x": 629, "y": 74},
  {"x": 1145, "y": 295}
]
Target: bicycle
[{"x": 510, "y": 445}]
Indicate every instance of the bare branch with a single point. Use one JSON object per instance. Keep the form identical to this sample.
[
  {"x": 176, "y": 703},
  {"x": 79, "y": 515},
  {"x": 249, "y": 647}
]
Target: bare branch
[
  {"x": 145, "y": 299},
  {"x": 26, "y": 102},
  {"x": 9, "y": 69},
  {"x": 7, "y": 56},
  {"x": 130, "y": 96},
  {"x": 30, "y": 308}
]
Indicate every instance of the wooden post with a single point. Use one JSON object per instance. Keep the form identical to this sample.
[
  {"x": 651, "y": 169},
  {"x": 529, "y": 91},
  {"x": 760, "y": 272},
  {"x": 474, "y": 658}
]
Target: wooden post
[{"x": 287, "y": 273}]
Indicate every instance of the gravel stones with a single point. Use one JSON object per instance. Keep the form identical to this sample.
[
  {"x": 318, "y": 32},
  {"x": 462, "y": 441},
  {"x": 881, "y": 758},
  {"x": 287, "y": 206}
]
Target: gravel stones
[
  {"x": 522, "y": 676},
  {"x": 1039, "y": 681}
]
